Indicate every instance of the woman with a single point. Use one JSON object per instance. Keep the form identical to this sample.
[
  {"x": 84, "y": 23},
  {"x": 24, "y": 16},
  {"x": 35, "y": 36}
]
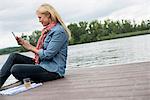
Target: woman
[{"x": 50, "y": 58}]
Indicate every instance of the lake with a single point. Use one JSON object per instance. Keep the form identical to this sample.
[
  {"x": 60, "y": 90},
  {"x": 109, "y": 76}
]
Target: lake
[
  {"x": 110, "y": 52},
  {"x": 106, "y": 53}
]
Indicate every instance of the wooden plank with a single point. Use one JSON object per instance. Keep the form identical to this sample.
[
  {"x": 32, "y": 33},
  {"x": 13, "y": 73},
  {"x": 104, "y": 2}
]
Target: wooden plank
[{"x": 117, "y": 82}]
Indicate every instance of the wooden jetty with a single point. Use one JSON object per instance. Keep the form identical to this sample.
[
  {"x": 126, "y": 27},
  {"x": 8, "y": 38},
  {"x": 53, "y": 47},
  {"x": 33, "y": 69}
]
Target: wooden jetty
[{"x": 117, "y": 82}]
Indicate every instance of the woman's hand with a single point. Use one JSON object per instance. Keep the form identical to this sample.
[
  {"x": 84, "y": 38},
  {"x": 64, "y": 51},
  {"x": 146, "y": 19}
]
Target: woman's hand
[{"x": 26, "y": 45}]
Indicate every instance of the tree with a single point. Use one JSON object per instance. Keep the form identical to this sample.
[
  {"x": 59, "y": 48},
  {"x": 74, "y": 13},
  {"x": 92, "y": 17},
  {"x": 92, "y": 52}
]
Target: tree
[
  {"x": 95, "y": 28},
  {"x": 75, "y": 30},
  {"x": 33, "y": 39}
]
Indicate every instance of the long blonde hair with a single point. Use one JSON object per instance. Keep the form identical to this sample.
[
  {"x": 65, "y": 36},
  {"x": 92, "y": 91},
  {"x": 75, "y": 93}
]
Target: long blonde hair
[{"x": 48, "y": 9}]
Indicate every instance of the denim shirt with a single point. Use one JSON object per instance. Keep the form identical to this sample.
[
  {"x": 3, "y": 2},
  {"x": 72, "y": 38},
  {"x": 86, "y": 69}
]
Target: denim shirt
[{"x": 53, "y": 55}]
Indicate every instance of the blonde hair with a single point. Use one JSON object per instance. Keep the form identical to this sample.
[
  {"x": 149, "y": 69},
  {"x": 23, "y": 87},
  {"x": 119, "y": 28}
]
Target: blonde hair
[{"x": 48, "y": 9}]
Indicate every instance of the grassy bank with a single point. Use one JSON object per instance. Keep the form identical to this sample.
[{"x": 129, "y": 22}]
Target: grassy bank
[{"x": 125, "y": 35}]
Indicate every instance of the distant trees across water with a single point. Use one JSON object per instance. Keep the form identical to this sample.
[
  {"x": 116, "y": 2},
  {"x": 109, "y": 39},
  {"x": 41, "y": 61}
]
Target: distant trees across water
[{"x": 84, "y": 32}]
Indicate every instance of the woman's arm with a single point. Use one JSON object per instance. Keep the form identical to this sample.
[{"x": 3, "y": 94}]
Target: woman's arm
[{"x": 54, "y": 46}]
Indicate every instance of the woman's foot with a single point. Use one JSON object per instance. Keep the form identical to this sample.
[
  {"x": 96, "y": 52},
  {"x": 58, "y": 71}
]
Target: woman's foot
[
  {"x": 11, "y": 85},
  {"x": 0, "y": 86},
  {"x": 2, "y": 81}
]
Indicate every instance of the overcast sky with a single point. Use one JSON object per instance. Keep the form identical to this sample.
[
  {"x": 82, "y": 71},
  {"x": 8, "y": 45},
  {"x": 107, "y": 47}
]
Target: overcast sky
[{"x": 19, "y": 15}]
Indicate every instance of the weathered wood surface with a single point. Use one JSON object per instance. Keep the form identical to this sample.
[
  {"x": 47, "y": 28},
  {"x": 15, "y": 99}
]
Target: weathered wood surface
[{"x": 118, "y": 82}]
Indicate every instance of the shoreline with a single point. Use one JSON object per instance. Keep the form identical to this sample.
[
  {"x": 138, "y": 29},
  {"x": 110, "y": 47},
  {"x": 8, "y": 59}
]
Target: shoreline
[{"x": 103, "y": 38}]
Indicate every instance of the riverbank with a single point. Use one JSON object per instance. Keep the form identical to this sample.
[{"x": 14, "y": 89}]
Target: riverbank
[
  {"x": 109, "y": 37},
  {"x": 129, "y": 34},
  {"x": 118, "y": 82}
]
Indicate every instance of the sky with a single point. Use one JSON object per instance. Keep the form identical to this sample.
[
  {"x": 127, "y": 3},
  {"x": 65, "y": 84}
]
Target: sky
[{"x": 19, "y": 16}]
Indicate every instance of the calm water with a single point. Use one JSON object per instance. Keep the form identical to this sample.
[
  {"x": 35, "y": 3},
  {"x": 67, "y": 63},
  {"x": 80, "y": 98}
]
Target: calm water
[
  {"x": 118, "y": 51},
  {"x": 105, "y": 53}
]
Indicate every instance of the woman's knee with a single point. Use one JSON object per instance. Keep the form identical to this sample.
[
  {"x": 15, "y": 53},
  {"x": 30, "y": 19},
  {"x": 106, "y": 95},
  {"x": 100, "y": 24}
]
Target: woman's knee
[
  {"x": 13, "y": 55},
  {"x": 16, "y": 70},
  {"x": 19, "y": 71}
]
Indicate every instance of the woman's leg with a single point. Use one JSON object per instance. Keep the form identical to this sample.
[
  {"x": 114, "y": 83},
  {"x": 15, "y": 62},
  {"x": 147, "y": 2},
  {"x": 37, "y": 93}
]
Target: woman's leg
[
  {"x": 14, "y": 58},
  {"x": 35, "y": 72}
]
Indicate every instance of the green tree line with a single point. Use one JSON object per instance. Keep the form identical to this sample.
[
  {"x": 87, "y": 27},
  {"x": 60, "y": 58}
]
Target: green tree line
[{"x": 84, "y": 32}]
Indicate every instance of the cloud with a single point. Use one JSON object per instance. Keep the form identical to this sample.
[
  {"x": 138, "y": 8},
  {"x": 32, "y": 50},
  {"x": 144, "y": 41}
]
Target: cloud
[
  {"x": 19, "y": 15},
  {"x": 7, "y": 40},
  {"x": 16, "y": 17},
  {"x": 138, "y": 11}
]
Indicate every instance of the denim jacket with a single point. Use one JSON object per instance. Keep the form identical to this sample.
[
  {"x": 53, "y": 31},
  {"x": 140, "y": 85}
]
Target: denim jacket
[{"x": 53, "y": 55}]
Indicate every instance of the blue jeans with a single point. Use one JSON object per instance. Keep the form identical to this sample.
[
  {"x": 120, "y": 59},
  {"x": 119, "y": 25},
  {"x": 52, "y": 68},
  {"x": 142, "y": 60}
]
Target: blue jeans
[{"x": 21, "y": 67}]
